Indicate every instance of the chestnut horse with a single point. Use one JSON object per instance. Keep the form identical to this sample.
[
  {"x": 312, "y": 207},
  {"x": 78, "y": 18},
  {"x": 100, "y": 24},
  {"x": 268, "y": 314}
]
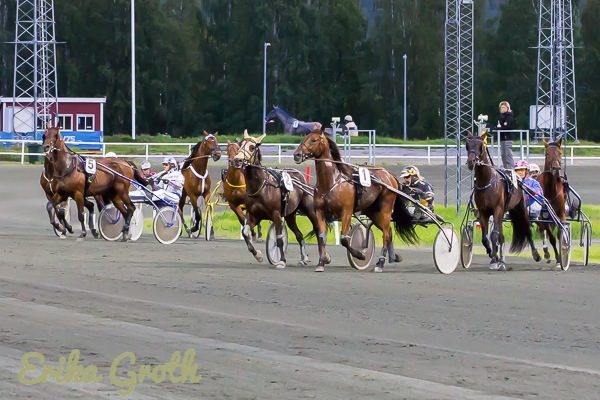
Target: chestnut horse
[
  {"x": 493, "y": 199},
  {"x": 63, "y": 226},
  {"x": 337, "y": 196},
  {"x": 197, "y": 181},
  {"x": 553, "y": 186},
  {"x": 234, "y": 187},
  {"x": 110, "y": 182},
  {"x": 267, "y": 200}
]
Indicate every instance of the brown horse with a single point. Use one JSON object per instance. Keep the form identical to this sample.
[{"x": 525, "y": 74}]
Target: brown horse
[
  {"x": 46, "y": 179},
  {"x": 267, "y": 200},
  {"x": 493, "y": 199},
  {"x": 110, "y": 182},
  {"x": 197, "y": 181},
  {"x": 337, "y": 196},
  {"x": 553, "y": 186},
  {"x": 234, "y": 187}
]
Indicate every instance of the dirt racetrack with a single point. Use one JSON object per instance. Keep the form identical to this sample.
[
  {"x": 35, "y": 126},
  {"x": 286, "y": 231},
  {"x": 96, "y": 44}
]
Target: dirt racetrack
[{"x": 260, "y": 333}]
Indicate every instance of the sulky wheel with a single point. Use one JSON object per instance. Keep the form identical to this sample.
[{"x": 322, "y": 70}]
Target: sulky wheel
[
  {"x": 136, "y": 227},
  {"x": 361, "y": 238},
  {"x": 167, "y": 225},
  {"x": 586, "y": 241},
  {"x": 111, "y": 223},
  {"x": 564, "y": 242},
  {"x": 446, "y": 251},
  {"x": 466, "y": 245},
  {"x": 273, "y": 253}
]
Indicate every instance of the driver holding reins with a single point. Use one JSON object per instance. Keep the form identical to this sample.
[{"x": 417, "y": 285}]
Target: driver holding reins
[
  {"x": 418, "y": 188},
  {"x": 171, "y": 181}
]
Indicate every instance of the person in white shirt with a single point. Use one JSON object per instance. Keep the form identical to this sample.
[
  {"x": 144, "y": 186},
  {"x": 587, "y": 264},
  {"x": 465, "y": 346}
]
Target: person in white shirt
[
  {"x": 171, "y": 182},
  {"x": 350, "y": 126}
]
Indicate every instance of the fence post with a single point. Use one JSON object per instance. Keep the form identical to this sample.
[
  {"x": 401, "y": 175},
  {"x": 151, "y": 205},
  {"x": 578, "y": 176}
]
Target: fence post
[
  {"x": 22, "y": 152},
  {"x": 572, "y": 160},
  {"x": 146, "y": 151},
  {"x": 279, "y": 153},
  {"x": 428, "y": 155},
  {"x": 103, "y": 149}
]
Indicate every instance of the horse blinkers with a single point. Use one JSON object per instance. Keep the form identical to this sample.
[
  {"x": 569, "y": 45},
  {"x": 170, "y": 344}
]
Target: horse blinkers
[{"x": 474, "y": 155}]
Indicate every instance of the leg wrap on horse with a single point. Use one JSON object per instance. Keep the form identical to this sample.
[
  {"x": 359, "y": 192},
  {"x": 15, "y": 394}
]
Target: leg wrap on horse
[
  {"x": 345, "y": 241},
  {"x": 279, "y": 240},
  {"x": 246, "y": 230}
]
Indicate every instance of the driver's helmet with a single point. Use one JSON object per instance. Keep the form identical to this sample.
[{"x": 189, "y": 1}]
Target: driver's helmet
[
  {"x": 146, "y": 165},
  {"x": 534, "y": 168},
  {"x": 410, "y": 170},
  {"x": 522, "y": 164},
  {"x": 111, "y": 154},
  {"x": 173, "y": 163}
]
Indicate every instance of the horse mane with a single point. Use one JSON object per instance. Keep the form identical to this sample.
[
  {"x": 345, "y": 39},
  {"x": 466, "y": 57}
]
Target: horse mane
[
  {"x": 189, "y": 158},
  {"x": 335, "y": 154}
]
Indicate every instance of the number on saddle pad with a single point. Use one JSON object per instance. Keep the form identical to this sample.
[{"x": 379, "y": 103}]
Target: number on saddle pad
[
  {"x": 287, "y": 181},
  {"x": 295, "y": 123},
  {"x": 364, "y": 176},
  {"x": 90, "y": 166}
]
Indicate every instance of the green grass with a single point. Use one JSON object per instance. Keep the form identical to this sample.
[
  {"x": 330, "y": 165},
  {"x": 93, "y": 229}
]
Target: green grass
[{"x": 226, "y": 225}]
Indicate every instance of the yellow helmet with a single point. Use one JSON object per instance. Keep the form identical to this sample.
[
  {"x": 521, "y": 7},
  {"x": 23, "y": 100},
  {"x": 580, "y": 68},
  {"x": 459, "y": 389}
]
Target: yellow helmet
[{"x": 410, "y": 170}]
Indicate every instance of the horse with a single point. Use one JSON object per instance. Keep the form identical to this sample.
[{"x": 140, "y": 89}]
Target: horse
[
  {"x": 267, "y": 199},
  {"x": 110, "y": 182},
  {"x": 553, "y": 185},
  {"x": 234, "y": 187},
  {"x": 46, "y": 179},
  {"x": 492, "y": 199},
  {"x": 337, "y": 195},
  {"x": 291, "y": 125},
  {"x": 197, "y": 181}
]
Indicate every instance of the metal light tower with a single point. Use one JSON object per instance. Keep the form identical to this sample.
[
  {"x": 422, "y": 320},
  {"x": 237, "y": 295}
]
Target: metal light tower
[
  {"x": 458, "y": 96},
  {"x": 556, "y": 108},
  {"x": 35, "y": 76}
]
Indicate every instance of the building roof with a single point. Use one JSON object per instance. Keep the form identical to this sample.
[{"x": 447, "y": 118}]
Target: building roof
[{"x": 60, "y": 99}]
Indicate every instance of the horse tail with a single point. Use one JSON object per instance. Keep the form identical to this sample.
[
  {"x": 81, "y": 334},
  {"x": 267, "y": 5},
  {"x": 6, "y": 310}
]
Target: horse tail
[
  {"x": 137, "y": 174},
  {"x": 521, "y": 227},
  {"x": 403, "y": 221}
]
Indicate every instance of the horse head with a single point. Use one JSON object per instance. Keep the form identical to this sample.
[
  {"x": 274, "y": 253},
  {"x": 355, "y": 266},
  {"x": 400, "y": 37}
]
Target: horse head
[
  {"x": 249, "y": 152},
  {"x": 274, "y": 113},
  {"x": 313, "y": 145},
  {"x": 52, "y": 141},
  {"x": 210, "y": 145},
  {"x": 475, "y": 150},
  {"x": 553, "y": 154},
  {"x": 232, "y": 150}
]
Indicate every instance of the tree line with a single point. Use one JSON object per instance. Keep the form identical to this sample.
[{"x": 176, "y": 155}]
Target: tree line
[{"x": 200, "y": 62}]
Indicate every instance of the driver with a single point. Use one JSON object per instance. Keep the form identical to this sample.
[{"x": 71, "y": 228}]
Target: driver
[
  {"x": 418, "y": 188},
  {"x": 171, "y": 181}
]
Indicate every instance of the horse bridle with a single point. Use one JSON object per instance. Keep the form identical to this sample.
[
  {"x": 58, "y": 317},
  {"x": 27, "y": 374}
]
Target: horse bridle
[
  {"x": 478, "y": 159},
  {"x": 309, "y": 154}
]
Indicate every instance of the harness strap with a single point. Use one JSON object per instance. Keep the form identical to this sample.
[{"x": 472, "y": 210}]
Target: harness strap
[
  {"x": 202, "y": 177},
  {"x": 234, "y": 186}
]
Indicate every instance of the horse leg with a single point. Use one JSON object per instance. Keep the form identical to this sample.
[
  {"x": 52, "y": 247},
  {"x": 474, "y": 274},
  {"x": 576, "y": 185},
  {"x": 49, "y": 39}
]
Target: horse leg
[
  {"x": 484, "y": 223},
  {"x": 345, "y": 238},
  {"x": 52, "y": 215},
  {"x": 278, "y": 222},
  {"x": 497, "y": 263},
  {"x": 324, "y": 258},
  {"x": 180, "y": 210},
  {"x": 552, "y": 239},
  {"x": 534, "y": 251},
  {"x": 382, "y": 221},
  {"x": 91, "y": 217},
  {"x": 197, "y": 212},
  {"x": 543, "y": 229},
  {"x": 125, "y": 212},
  {"x": 291, "y": 222},
  {"x": 249, "y": 224},
  {"x": 79, "y": 200},
  {"x": 393, "y": 257}
]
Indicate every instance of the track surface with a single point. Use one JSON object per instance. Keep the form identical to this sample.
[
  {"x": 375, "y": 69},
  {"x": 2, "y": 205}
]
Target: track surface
[{"x": 409, "y": 333}]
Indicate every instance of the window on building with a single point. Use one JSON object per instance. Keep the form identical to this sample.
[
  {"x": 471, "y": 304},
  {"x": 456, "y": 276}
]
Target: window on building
[
  {"x": 66, "y": 122},
  {"x": 85, "y": 122},
  {"x": 43, "y": 121}
]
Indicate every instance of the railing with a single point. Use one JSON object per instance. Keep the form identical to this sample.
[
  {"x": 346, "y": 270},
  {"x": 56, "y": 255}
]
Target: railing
[{"x": 282, "y": 152}]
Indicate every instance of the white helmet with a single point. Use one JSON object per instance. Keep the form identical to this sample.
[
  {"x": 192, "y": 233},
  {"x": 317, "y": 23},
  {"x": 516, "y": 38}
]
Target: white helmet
[
  {"x": 110, "y": 154},
  {"x": 166, "y": 160},
  {"x": 348, "y": 118},
  {"x": 173, "y": 163},
  {"x": 146, "y": 165},
  {"x": 534, "y": 168}
]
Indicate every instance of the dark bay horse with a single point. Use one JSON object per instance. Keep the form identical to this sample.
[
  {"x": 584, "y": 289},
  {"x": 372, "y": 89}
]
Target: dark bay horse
[
  {"x": 110, "y": 182},
  {"x": 493, "y": 199},
  {"x": 234, "y": 187},
  {"x": 266, "y": 199},
  {"x": 197, "y": 181},
  {"x": 553, "y": 185},
  {"x": 337, "y": 196},
  {"x": 291, "y": 125}
]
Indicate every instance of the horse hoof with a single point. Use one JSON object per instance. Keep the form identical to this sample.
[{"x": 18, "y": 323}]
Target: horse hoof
[
  {"x": 258, "y": 256},
  {"x": 62, "y": 236},
  {"x": 537, "y": 258},
  {"x": 502, "y": 267},
  {"x": 96, "y": 234},
  {"x": 377, "y": 269},
  {"x": 320, "y": 268},
  {"x": 304, "y": 263},
  {"x": 397, "y": 258},
  {"x": 327, "y": 259},
  {"x": 494, "y": 266},
  {"x": 280, "y": 265}
]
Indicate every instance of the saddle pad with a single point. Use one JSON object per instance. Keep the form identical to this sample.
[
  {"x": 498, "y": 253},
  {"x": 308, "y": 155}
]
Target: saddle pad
[
  {"x": 364, "y": 176},
  {"x": 287, "y": 181},
  {"x": 90, "y": 166}
]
